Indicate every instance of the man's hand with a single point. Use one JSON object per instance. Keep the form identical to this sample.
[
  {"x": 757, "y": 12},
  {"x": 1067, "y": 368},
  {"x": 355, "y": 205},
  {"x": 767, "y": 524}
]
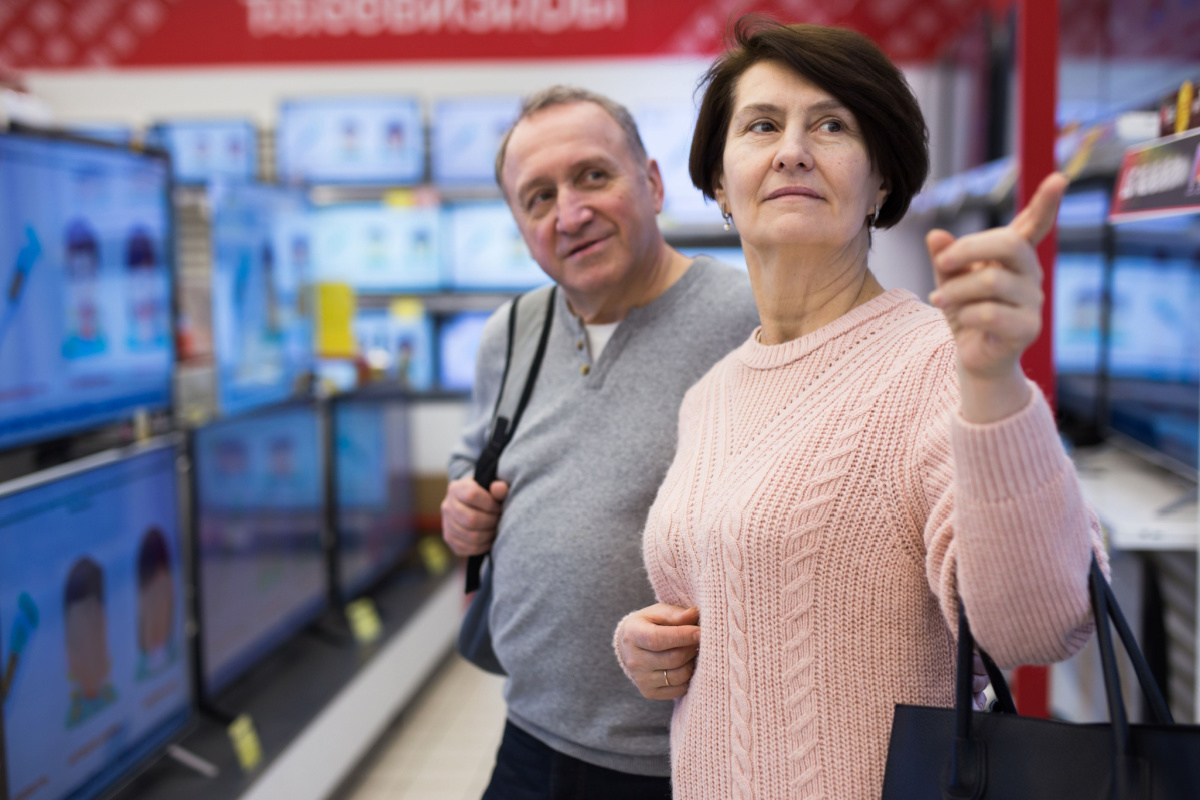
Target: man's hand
[
  {"x": 470, "y": 515},
  {"x": 658, "y": 647}
]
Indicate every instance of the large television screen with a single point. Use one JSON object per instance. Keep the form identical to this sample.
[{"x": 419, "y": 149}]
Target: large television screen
[
  {"x": 92, "y": 595},
  {"x": 351, "y": 140},
  {"x": 404, "y": 343},
  {"x": 374, "y": 501},
  {"x": 666, "y": 129},
  {"x": 260, "y": 566},
  {"x": 205, "y": 149},
  {"x": 110, "y": 132},
  {"x": 486, "y": 251},
  {"x": 466, "y": 135},
  {"x": 458, "y": 342},
  {"x": 379, "y": 249},
  {"x": 85, "y": 266},
  {"x": 262, "y": 331}
]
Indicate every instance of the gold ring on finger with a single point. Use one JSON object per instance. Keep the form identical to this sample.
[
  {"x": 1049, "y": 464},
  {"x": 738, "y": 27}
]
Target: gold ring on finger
[{"x": 665, "y": 678}]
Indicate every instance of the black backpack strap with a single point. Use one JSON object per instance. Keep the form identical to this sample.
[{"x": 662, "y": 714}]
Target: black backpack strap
[{"x": 487, "y": 466}]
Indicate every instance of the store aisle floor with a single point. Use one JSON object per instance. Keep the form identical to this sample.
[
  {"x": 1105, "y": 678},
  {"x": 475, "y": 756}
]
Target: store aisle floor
[{"x": 443, "y": 746}]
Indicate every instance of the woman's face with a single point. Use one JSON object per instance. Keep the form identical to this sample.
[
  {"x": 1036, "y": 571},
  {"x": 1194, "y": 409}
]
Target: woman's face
[{"x": 796, "y": 168}]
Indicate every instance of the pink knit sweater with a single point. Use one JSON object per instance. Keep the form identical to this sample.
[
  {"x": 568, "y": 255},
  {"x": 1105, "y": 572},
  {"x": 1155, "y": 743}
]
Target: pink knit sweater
[{"x": 826, "y": 507}]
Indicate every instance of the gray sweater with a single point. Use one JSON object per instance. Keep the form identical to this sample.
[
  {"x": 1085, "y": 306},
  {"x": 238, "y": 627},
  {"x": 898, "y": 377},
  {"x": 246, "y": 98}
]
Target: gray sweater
[{"x": 583, "y": 469}]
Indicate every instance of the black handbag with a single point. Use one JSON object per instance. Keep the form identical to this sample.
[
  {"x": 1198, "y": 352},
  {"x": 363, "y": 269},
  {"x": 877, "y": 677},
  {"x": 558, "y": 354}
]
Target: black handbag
[
  {"x": 475, "y": 635},
  {"x": 959, "y": 754}
]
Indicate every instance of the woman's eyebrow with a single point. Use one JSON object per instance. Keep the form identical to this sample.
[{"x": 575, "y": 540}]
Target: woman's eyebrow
[{"x": 819, "y": 107}]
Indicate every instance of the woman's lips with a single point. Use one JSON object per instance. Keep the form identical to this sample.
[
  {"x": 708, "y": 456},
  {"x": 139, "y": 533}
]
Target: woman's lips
[{"x": 794, "y": 191}]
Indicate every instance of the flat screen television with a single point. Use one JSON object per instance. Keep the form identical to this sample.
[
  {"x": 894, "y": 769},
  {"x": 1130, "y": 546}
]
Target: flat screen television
[
  {"x": 666, "y": 129},
  {"x": 486, "y": 252},
  {"x": 373, "y": 501},
  {"x": 262, "y": 329},
  {"x": 1154, "y": 354},
  {"x": 85, "y": 265},
  {"x": 259, "y": 509},
  {"x": 458, "y": 342},
  {"x": 92, "y": 594},
  {"x": 403, "y": 343},
  {"x": 466, "y": 135},
  {"x": 205, "y": 149},
  {"x": 351, "y": 140},
  {"x": 113, "y": 133},
  {"x": 1078, "y": 305},
  {"x": 379, "y": 249}
]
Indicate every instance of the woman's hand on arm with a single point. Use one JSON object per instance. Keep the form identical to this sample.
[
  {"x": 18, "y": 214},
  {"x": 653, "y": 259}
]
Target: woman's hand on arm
[
  {"x": 657, "y": 647},
  {"x": 989, "y": 285}
]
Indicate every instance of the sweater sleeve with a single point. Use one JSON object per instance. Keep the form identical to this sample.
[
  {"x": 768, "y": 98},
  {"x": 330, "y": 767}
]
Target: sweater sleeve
[
  {"x": 1007, "y": 529},
  {"x": 489, "y": 372}
]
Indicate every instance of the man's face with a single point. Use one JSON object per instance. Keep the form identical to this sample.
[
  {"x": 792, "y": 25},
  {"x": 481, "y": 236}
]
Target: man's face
[
  {"x": 583, "y": 202},
  {"x": 157, "y": 611},
  {"x": 88, "y": 661}
]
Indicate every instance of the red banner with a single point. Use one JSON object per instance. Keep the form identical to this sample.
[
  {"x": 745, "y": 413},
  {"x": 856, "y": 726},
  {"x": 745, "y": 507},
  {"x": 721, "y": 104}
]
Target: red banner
[{"x": 58, "y": 34}]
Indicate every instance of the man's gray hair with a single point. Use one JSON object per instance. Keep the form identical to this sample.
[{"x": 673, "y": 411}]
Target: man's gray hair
[{"x": 567, "y": 95}]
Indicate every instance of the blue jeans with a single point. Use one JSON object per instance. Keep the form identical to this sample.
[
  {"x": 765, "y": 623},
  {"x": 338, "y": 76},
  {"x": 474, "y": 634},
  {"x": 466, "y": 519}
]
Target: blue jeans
[{"x": 526, "y": 769}]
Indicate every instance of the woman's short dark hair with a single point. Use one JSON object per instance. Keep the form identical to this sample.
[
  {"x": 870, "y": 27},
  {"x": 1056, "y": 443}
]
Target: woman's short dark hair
[{"x": 848, "y": 66}]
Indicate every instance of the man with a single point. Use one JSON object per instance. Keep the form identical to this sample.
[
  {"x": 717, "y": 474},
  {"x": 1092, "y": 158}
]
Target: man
[{"x": 636, "y": 324}]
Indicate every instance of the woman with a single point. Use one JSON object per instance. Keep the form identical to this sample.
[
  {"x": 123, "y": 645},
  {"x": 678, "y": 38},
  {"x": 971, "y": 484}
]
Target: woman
[{"x": 857, "y": 466}]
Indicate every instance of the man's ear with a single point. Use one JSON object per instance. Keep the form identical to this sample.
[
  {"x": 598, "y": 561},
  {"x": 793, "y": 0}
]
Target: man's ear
[{"x": 654, "y": 175}]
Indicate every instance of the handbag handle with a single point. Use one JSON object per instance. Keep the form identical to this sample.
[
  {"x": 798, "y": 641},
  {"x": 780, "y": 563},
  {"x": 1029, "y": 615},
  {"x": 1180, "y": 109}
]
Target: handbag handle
[{"x": 965, "y": 771}]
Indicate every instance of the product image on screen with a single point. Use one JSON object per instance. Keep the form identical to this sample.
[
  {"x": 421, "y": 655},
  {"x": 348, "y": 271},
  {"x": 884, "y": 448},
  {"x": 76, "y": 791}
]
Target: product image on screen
[
  {"x": 351, "y": 140},
  {"x": 458, "y": 341},
  {"x": 374, "y": 490},
  {"x": 379, "y": 248},
  {"x": 260, "y": 567},
  {"x": 466, "y": 135},
  {"x": 112, "y": 133},
  {"x": 400, "y": 344},
  {"x": 92, "y": 610},
  {"x": 262, "y": 253},
  {"x": 666, "y": 129},
  {"x": 85, "y": 270},
  {"x": 733, "y": 256},
  {"x": 204, "y": 149},
  {"x": 1154, "y": 353},
  {"x": 486, "y": 251}
]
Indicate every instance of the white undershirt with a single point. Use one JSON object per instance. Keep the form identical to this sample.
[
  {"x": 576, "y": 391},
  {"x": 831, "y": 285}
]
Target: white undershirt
[{"x": 598, "y": 336}]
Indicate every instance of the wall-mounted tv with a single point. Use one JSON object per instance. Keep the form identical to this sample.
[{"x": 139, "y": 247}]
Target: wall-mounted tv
[
  {"x": 467, "y": 132},
  {"x": 486, "y": 252},
  {"x": 458, "y": 342},
  {"x": 85, "y": 270},
  {"x": 379, "y": 249},
  {"x": 351, "y": 140},
  {"x": 205, "y": 149}
]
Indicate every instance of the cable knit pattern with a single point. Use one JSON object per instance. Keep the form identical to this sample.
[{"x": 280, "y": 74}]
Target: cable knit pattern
[{"x": 825, "y": 511}]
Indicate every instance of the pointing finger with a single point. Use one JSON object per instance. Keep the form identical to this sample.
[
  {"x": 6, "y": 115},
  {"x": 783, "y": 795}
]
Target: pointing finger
[{"x": 1036, "y": 220}]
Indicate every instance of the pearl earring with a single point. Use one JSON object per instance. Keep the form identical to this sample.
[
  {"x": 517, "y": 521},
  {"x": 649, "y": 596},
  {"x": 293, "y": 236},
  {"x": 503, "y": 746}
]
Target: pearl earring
[
  {"x": 872, "y": 217},
  {"x": 727, "y": 216}
]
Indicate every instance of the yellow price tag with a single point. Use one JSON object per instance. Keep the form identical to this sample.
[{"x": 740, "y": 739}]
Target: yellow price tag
[
  {"x": 245, "y": 741},
  {"x": 434, "y": 555},
  {"x": 401, "y": 198},
  {"x": 335, "y": 321},
  {"x": 364, "y": 621},
  {"x": 407, "y": 309}
]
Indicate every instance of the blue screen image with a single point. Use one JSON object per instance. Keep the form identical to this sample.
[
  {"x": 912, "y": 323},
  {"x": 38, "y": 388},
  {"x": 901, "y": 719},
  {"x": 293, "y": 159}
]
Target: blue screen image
[
  {"x": 379, "y": 248},
  {"x": 666, "y": 129},
  {"x": 113, "y": 133},
  {"x": 458, "y": 342},
  {"x": 1078, "y": 297},
  {"x": 466, "y": 136},
  {"x": 1155, "y": 329},
  {"x": 351, "y": 140},
  {"x": 406, "y": 342},
  {"x": 92, "y": 609},
  {"x": 262, "y": 333},
  {"x": 733, "y": 256},
  {"x": 259, "y": 516},
  {"x": 85, "y": 315},
  {"x": 375, "y": 501},
  {"x": 486, "y": 250},
  {"x": 202, "y": 149}
]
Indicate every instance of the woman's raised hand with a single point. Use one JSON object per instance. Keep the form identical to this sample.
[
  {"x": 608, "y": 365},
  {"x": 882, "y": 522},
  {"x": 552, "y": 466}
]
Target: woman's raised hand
[
  {"x": 989, "y": 285},
  {"x": 657, "y": 647}
]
